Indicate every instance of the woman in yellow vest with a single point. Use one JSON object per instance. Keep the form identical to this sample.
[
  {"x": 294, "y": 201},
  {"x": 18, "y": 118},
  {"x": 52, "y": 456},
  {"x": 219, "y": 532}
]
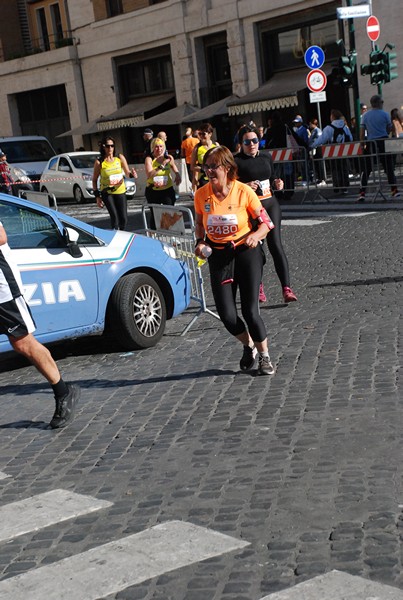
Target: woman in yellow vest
[
  {"x": 205, "y": 134},
  {"x": 112, "y": 194},
  {"x": 161, "y": 173}
]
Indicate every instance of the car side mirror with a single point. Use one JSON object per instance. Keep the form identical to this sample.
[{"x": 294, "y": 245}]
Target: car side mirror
[
  {"x": 71, "y": 236},
  {"x": 65, "y": 168}
]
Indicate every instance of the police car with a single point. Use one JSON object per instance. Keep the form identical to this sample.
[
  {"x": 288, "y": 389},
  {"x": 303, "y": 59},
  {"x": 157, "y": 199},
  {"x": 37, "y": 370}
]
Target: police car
[{"x": 81, "y": 280}]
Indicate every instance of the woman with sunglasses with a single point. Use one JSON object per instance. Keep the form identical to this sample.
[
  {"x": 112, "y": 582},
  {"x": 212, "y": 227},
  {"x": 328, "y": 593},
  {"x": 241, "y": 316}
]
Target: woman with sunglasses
[
  {"x": 112, "y": 194},
  {"x": 256, "y": 170},
  {"x": 205, "y": 135},
  {"x": 225, "y": 210}
]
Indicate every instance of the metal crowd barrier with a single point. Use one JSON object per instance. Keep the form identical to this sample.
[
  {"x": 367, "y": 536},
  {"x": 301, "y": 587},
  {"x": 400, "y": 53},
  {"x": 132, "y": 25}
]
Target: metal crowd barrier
[
  {"x": 293, "y": 168},
  {"x": 174, "y": 225},
  {"x": 336, "y": 169},
  {"x": 43, "y": 198}
]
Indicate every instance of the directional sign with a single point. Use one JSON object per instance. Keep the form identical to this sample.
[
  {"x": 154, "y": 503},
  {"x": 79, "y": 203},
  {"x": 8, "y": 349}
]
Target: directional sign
[
  {"x": 352, "y": 12},
  {"x": 314, "y": 57},
  {"x": 316, "y": 80},
  {"x": 373, "y": 28}
]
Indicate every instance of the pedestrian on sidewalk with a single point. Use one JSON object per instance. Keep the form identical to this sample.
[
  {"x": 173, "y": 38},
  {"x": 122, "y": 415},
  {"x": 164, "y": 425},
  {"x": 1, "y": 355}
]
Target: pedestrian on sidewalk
[
  {"x": 317, "y": 159},
  {"x": 17, "y": 324},
  {"x": 376, "y": 126},
  {"x": 6, "y": 180},
  {"x": 224, "y": 208},
  {"x": 257, "y": 171},
  {"x": 336, "y": 133}
]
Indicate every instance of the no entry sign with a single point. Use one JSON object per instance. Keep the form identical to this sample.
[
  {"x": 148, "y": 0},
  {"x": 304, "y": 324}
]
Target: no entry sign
[{"x": 373, "y": 28}]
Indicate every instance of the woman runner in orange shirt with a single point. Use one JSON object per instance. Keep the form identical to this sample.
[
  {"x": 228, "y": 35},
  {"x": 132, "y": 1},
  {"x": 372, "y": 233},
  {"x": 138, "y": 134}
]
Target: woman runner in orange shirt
[{"x": 225, "y": 211}]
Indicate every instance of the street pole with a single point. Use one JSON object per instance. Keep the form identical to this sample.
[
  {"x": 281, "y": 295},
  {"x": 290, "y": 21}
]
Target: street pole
[{"x": 351, "y": 41}]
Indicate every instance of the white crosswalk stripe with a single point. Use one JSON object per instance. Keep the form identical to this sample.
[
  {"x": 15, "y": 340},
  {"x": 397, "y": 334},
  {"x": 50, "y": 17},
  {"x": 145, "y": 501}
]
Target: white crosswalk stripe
[
  {"x": 115, "y": 566},
  {"x": 45, "y": 509},
  {"x": 338, "y": 586},
  {"x": 3, "y": 475}
]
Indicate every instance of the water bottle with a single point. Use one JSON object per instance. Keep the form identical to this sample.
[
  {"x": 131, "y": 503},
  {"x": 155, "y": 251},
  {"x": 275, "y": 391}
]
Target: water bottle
[{"x": 206, "y": 252}]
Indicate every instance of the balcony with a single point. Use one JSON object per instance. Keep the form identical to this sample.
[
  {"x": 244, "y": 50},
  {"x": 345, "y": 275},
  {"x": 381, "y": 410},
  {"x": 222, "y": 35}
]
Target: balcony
[{"x": 37, "y": 46}]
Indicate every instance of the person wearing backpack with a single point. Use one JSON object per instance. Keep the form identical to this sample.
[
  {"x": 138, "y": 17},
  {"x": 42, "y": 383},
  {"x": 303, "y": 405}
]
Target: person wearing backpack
[{"x": 336, "y": 133}]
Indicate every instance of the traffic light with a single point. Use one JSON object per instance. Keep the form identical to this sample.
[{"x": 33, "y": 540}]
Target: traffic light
[
  {"x": 378, "y": 64},
  {"x": 381, "y": 68},
  {"x": 347, "y": 66},
  {"x": 390, "y": 67}
]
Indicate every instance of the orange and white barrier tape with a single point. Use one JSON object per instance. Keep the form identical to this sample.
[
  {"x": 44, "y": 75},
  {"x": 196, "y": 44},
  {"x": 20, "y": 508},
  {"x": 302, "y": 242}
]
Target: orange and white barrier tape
[
  {"x": 341, "y": 150},
  {"x": 281, "y": 154}
]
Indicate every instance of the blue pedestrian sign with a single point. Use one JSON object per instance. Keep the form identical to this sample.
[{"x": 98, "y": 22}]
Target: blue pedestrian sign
[{"x": 314, "y": 57}]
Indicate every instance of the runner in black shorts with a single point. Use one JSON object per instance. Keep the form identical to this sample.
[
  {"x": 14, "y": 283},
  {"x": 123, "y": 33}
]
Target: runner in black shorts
[{"x": 17, "y": 324}]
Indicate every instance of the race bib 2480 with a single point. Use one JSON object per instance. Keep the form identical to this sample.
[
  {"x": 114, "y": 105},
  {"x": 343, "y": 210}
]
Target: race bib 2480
[{"x": 222, "y": 225}]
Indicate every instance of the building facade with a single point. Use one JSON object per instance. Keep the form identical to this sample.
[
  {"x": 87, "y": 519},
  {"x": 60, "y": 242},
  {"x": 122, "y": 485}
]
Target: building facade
[{"x": 93, "y": 66}]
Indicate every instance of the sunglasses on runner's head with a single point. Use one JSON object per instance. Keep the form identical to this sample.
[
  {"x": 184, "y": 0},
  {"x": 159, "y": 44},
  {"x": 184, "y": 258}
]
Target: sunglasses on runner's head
[
  {"x": 251, "y": 141},
  {"x": 211, "y": 167},
  {"x": 109, "y": 145}
]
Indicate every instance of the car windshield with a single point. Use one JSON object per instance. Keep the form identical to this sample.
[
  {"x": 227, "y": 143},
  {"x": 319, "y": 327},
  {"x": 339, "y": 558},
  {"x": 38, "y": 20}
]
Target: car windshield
[
  {"x": 84, "y": 161},
  {"x": 27, "y": 151}
]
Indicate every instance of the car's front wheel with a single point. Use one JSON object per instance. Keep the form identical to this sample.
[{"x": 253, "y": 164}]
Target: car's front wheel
[
  {"x": 136, "y": 312},
  {"x": 78, "y": 194}
]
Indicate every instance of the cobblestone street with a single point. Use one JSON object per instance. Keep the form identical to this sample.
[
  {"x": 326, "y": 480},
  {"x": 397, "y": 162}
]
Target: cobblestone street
[{"x": 305, "y": 466}]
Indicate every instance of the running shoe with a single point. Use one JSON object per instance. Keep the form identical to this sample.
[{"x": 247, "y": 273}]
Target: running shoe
[
  {"x": 395, "y": 193},
  {"x": 265, "y": 366},
  {"x": 289, "y": 295},
  {"x": 248, "y": 359},
  {"x": 361, "y": 197},
  {"x": 65, "y": 407},
  {"x": 262, "y": 295}
]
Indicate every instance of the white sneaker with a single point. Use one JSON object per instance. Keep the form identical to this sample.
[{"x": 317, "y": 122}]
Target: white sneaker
[{"x": 265, "y": 367}]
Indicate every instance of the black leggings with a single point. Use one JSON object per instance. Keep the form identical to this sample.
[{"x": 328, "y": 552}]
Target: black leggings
[
  {"x": 247, "y": 276},
  {"x": 117, "y": 209},
  {"x": 274, "y": 241}
]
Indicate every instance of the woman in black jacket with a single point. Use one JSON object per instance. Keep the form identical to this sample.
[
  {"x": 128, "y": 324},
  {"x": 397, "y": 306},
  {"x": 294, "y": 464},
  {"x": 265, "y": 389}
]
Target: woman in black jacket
[{"x": 256, "y": 169}]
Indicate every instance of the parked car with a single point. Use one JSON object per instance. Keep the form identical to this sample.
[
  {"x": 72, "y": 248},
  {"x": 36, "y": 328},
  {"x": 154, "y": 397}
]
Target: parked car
[
  {"x": 29, "y": 153},
  {"x": 80, "y": 280},
  {"x": 69, "y": 175}
]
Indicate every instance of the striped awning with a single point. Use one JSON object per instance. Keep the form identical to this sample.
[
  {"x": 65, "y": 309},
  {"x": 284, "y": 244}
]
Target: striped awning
[
  {"x": 281, "y": 91},
  {"x": 132, "y": 114}
]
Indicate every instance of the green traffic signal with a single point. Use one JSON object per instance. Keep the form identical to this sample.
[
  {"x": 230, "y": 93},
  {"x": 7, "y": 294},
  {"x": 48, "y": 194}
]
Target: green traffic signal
[
  {"x": 347, "y": 68},
  {"x": 390, "y": 67},
  {"x": 380, "y": 67}
]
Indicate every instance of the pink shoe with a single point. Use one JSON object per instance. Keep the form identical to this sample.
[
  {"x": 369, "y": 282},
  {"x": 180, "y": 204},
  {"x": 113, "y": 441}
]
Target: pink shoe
[
  {"x": 262, "y": 295},
  {"x": 289, "y": 295}
]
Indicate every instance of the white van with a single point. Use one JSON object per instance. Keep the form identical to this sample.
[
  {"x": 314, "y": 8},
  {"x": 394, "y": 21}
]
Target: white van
[{"x": 29, "y": 153}]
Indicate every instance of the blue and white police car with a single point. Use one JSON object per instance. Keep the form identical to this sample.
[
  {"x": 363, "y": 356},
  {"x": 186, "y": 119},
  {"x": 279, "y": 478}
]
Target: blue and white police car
[{"x": 80, "y": 280}]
